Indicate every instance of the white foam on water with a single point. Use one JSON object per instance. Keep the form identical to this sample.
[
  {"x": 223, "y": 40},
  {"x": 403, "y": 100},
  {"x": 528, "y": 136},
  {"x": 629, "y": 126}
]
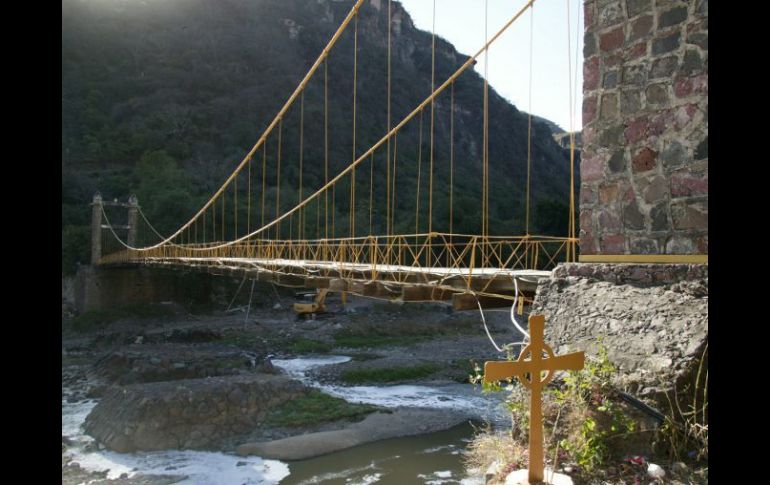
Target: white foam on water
[
  {"x": 438, "y": 448},
  {"x": 365, "y": 480},
  {"x": 338, "y": 475},
  {"x": 98, "y": 462},
  {"x": 203, "y": 468},
  {"x": 200, "y": 467},
  {"x": 73, "y": 415},
  {"x": 451, "y": 396},
  {"x": 437, "y": 478},
  {"x": 297, "y": 368},
  {"x": 473, "y": 481}
]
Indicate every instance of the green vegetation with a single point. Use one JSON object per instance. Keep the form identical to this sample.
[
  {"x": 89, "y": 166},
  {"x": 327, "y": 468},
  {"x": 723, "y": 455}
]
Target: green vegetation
[
  {"x": 164, "y": 189},
  {"x": 294, "y": 345},
  {"x": 371, "y": 333},
  {"x": 685, "y": 432},
  {"x": 596, "y": 420},
  {"x": 583, "y": 417},
  {"x": 316, "y": 407},
  {"x": 367, "y": 341},
  {"x": 364, "y": 356},
  {"x": 75, "y": 246},
  {"x": 467, "y": 369},
  {"x": 243, "y": 340},
  {"x": 587, "y": 424},
  {"x": 299, "y": 345},
  {"x": 388, "y": 375},
  {"x": 95, "y": 319}
]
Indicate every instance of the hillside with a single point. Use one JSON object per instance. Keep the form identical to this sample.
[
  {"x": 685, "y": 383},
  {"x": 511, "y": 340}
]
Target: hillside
[{"x": 163, "y": 98}]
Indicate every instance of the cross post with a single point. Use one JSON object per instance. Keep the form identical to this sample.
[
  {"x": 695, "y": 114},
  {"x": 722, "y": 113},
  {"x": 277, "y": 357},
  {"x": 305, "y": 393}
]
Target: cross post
[{"x": 529, "y": 372}]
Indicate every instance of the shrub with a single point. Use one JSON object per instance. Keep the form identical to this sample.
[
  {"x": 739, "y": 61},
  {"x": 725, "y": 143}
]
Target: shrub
[
  {"x": 684, "y": 433},
  {"x": 596, "y": 419},
  {"x": 582, "y": 418}
]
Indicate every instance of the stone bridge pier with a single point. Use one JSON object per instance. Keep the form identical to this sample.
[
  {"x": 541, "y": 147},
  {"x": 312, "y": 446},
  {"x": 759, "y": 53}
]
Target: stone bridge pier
[
  {"x": 641, "y": 283},
  {"x": 104, "y": 288},
  {"x": 100, "y": 288},
  {"x": 644, "y": 168}
]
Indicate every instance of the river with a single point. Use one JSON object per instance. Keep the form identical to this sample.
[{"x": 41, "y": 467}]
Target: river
[{"x": 434, "y": 458}]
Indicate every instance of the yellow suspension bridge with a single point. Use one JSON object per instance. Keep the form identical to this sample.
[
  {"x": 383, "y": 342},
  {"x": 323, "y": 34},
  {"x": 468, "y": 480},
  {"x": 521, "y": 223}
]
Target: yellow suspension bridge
[{"x": 302, "y": 246}]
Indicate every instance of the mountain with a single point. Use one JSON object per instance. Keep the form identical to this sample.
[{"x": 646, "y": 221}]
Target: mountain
[
  {"x": 555, "y": 129},
  {"x": 163, "y": 98}
]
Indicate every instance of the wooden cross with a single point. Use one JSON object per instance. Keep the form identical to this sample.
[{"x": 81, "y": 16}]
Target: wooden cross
[{"x": 529, "y": 373}]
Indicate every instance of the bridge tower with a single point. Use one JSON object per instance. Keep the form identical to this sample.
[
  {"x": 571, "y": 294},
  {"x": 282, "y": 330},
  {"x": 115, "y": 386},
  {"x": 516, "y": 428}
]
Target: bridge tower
[
  {"x": 96, "y": 229},
  {"x": 644, "y": 169},
  {"x": 97, "y": 207},
  {"x": 643, "y": 198},
  {"x": 133, "y": 218}
]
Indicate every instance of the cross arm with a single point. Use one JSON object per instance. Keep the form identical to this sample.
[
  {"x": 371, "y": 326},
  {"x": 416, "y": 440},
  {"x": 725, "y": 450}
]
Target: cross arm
[{"x": 499, "y": 370}]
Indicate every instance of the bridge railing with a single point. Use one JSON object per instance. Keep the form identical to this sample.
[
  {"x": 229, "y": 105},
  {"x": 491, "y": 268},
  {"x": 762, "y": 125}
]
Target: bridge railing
[{"x": 428, "y": 257}]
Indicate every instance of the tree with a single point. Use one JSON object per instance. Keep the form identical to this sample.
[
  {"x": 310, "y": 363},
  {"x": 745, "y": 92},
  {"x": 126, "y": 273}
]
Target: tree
[
  {"x": 165, "y": 191},
  {"x": 551, "y": 218}
]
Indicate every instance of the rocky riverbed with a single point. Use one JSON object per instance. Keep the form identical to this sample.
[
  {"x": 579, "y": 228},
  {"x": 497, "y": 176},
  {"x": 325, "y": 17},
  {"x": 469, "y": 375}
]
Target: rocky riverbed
[{"x": 203, "y": 385}]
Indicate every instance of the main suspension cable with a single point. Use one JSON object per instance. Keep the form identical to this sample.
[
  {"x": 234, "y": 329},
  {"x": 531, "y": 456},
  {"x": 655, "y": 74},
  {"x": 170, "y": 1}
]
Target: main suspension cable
[{"x": 466, "y": 65}]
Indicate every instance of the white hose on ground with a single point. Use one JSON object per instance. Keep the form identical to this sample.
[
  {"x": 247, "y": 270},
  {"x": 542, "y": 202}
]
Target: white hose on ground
[
  {"x": 513, "y": 318},
  {"x": 484, "y": 321},
  {"x": 489, "y": 335}
]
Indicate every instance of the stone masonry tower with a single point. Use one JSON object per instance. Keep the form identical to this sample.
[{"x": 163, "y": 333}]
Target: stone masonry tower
[
  {"x": 641, "y": 286},
  {"x": 644, "y": 169}
]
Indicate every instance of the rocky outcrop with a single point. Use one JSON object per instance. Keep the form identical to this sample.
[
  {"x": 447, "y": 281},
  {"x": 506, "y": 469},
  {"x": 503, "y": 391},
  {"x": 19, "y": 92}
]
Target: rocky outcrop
[
  {"x": 152, "y": 363},
  {"x": 189, "y": 414},
  {"x": 653, "y": 319}
]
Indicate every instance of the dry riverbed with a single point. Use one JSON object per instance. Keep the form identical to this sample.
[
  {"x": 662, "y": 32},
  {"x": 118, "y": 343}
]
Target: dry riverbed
[{"x": 388, "y": 345}]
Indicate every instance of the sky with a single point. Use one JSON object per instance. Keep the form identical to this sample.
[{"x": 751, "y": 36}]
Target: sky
[{"x": 461, "y": 22}]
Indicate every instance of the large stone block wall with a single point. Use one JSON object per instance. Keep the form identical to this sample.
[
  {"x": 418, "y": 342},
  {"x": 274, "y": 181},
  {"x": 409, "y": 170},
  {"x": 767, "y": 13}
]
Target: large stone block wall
[
  {"x": 644, "y": 169},
  {"x": 98, "y": 288},
  {"x": 651, "y": 318}
]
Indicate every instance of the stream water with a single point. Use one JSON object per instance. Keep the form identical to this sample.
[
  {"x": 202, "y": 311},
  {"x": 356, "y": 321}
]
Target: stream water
[
  {"x": 434, "y": 458},
  {"x": 464, "y": 397}
]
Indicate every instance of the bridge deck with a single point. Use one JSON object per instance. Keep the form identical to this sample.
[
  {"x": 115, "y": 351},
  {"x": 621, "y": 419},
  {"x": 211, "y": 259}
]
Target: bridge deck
[
  {"x": 492, "y": 286},
  {"x": 529, "y": 275}
]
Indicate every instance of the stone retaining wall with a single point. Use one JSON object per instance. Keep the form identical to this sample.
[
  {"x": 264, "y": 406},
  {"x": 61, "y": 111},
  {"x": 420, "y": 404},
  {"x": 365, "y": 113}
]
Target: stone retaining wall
[
  {"x": 653, "y": 319},
  {"x": 98, "y": 288},
  {"x": 188, "y": 414}
]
